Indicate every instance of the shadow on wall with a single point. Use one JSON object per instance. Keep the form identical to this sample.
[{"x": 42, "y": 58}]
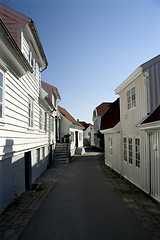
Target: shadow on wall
[{"x": 11, "y": 175}]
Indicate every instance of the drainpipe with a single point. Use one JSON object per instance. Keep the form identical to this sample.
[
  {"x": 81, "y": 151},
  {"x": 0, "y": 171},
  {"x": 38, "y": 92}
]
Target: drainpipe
[{"x": 149, "y": 137}]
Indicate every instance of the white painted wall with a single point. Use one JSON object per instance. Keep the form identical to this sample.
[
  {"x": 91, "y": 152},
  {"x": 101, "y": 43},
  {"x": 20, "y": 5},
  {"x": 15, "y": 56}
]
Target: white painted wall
[
  {"x": 66, "y": 127},
  {"x": 16, "y": 137}
]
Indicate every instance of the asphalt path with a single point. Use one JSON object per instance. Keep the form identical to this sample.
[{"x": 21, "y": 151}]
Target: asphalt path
[{"x": 84, "y": 205}]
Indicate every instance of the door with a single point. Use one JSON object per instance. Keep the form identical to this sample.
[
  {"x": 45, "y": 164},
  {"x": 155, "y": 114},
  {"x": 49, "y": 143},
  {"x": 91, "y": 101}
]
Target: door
[
  {"x": 76, "y": 140},
  {"x": 28, "y": 171}
]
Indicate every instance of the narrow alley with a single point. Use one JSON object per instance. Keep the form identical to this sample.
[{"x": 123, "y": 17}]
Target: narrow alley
[{"x": 83, "y": 205}]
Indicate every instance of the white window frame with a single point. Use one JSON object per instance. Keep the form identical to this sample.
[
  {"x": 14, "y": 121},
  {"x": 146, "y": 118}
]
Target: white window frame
[
  {"x": 80, "y": 136},
  {"x": 30, "y": 112},
  {"x": 137, "y": 152},
  {"x": 131, "y": 98},
  {"x": 130, "y": 150},
  {"x": 110, "y": 147},
  {"x": 72, "y": 136},
  {"x": 125, "y": 155}
]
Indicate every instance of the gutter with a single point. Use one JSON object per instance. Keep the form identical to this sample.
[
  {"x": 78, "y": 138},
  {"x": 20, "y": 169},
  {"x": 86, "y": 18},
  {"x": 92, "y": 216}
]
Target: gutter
[{"x": 36, "y": 36}]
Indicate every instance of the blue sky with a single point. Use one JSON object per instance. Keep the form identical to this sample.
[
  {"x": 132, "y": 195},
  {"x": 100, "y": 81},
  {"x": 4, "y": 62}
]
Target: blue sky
[{"x": 92, "y": 45}]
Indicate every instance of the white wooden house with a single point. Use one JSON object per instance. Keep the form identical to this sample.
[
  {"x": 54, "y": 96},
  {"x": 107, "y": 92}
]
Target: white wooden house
[
  {"x": 25, "y": 110},
  {"x": 71, "y": 130},
  {"x": 54, "y": 97},
  {"x": 97, "y": 114},
  {"x": 139, "y": 98},
  {"x": 87, "y": 133}
]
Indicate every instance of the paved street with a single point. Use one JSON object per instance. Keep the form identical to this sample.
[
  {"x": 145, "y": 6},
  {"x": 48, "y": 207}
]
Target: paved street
[{"x": 85, "y": 205}]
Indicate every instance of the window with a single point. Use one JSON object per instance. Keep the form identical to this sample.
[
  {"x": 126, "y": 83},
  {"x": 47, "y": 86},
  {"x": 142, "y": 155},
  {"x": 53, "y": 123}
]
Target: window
[
  {"x": 80, "y": 136},
  {"x": 43, "y": 153},
  {"x": 72, "y": 136},
  {"x": 32, "y": 60},
  {"x": 30, "y": 113},
  {"x": 131, "y": 98},
  {"x": 45, "y": 122},
  {"x": 110, "y": 146},
  {"x": 1, "y": 94},
  {"x": 137, "y": 151},
  {"x": 38, "y": 156},
  {"x": 125, "y": 149},
  {"x": 130, "y": 150}
]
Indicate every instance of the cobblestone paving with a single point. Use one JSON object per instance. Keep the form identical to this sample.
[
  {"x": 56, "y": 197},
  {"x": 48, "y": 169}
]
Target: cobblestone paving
[{"x": 14, "y": 219}]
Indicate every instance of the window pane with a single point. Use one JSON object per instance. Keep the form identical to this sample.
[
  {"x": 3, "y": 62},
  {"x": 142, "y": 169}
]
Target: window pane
[
  {"x": 1, "y": 79},
  {"x": 0, "y": 110},
  {"x": 1, "y": 95}
]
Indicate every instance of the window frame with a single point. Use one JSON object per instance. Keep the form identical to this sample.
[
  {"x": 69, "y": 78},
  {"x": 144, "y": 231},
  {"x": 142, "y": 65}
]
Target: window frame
[
  {"x": 131, "y": 98},
  {"x": 137, "y": 152},
  {"x": 130, "y": 150},
  {"x": 125, "y": 150},
  {"x": 72, "y": 136},
  {"x": 110, "y": 146}
]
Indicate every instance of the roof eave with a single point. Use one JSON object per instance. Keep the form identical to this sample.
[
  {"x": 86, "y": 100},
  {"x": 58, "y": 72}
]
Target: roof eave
[
  {"x": 22, "y": 61},
  {"x": 34, "y": 32},
  {"x": 129, "y": 80}
]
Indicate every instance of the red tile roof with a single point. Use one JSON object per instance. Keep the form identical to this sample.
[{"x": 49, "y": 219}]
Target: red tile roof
[
  {"x": 68, "y": 116},
  {"x": 153, "y": 117},
  {"x": 86, "y": 125},
  {"x": 50, "y": 89},
  {"x": 102, "y": 108},
  {"x": 112, "y": 116}
]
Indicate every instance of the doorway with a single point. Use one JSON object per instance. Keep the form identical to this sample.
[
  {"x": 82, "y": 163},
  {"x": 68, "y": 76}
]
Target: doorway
[
  {"x": 76, "y": 140},
  {"x": 28, "y": 171}
]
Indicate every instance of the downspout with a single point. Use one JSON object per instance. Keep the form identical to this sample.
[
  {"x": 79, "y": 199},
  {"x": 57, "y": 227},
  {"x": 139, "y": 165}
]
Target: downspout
[{"x": 149, "y": 137}]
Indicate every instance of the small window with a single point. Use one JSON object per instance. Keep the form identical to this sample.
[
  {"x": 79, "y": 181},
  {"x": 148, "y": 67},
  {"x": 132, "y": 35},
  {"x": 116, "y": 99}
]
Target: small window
[
  {"x": 130, "y": 150},
  {"x": 137, "y": 151},
  {"x": 43, "y": 153},
  {"x": 131, "y": 98},
  {"x": 45, "y": 122},
  {"x": 72, "y": 136},
  {"x": 30, "y": 112},
  {"x": 80, "y": 136},
  {"x": 1, "y": 94},
  {"x": 38, "y": 156},
  {"x": 125, "y": 149},
  {"x": 110, "y": 146}
]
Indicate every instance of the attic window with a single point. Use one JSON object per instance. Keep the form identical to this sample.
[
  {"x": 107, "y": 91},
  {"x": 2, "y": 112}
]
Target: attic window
[{"x": 131, "y": 98}]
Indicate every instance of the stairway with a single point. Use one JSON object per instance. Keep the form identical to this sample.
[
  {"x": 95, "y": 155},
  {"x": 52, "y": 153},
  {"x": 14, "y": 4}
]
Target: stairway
[{"x": 61, "y": 153}]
